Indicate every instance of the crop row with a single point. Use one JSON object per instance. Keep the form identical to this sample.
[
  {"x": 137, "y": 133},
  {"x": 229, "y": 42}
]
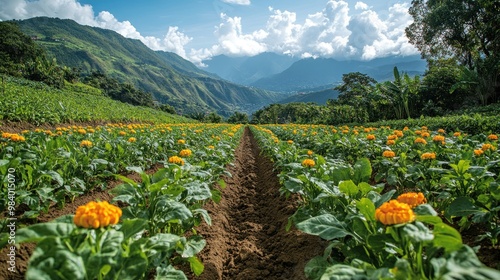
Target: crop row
[
  {"x": 390, "y": 201},
  {"x": 154, "y": 227}
]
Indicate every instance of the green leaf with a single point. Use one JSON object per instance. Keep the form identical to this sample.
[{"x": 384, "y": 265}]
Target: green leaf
[
  {"x": 193, "y": 246},
  {"x": 418, "y": 232},
  {"x": 38, "y": 232},
  {"x": 343, "y": 272},
  {"x": 221, "y": 183},
  {"x": 362, "y": 170},
  {"x": 131, "y": 227},
  {"x": 159, "y": 175},
  {"x": 384, "y": 198},
  {"x": 364, "y": 188},
  {"x": 197, "y": 191},
  {"x": 326, "y": 226},
  {"x": 349, "y": 188},
  {"x": 367, "y": 208},
  {"x": 196, "y": 265},
  {"x": 424, "y": 210},
  {"x": 204, "y": 214},
  {"x": 316, "y": 267},
  {"x": 447, "y": 237},
  {"x": 462, "y": 206},
  {"x": 169, "y": 273},
  {"x": 293, "y": 185}
]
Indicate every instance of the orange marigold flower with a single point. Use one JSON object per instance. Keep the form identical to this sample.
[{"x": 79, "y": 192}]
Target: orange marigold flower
[
  {"x": 185, "y": 153},
  {"x": 132, "y": 139},
  {"x": 478, "y": 152},
  {"x": 6, "y": 135},
  {"x": 398, "y": 133},
  {"x": 370, "y": 137},
  {"x": 413, "y": 199},
  {"x": 456, "y": 134},
  {"x": 308, "y": 163},
  {"x": 420, "y": 141},
  {"x": 97, "y": 214},
  {"x": 122, "y": 133},
  {"x": 438, "y": 138},
  {"x": 388, "y": 154},
  {"x": 392, "y": 137},
  {"x": 428, "y": 156},
  {"x": 425, "y": 134},
  {"x": 290, "y": 142},
  {"x": 418, "y": 132},
  {"x": 394, "y": 212},
  {"x": 176, "y": 160},
  {"x": 17, "y": 138},
  {"x": 487, "y": 146},
  {"x": 86, "y": 143},
  {"x": 310, "y": 153},
  {"x": 211, "y": 147},
  {"x": 492, "y": 137},
  {"x": 391, "y": 142},
  {"x": 441, "y": 131},
  {"x": 81, "y": 131},
  {"x": 181, "y": 141}
]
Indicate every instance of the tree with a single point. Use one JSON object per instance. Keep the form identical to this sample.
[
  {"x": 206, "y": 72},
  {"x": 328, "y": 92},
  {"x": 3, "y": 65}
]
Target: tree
[
  {"x": 238, "y": 117},
  {"x": 357, "y": 90},
  {"x": 212, "y": 118}
]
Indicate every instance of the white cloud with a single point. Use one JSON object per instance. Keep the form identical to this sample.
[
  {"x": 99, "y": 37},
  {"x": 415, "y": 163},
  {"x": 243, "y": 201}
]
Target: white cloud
[
  {"x": 361, "y": 6},
  {"x": 237, "y": 2}
]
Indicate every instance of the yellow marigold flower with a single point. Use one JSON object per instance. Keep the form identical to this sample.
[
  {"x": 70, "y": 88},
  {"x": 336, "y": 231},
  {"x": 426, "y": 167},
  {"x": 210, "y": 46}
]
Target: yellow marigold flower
[
  {"x": 308, "y": 163},
  {"x": 456, "y": 134},
  {"x": 91, "y": 130},
  {"x": 122, "y": 133},
  {"x": 290, "y": 142},
  {"x": 176, "y": 160},
  {"x": 398, "y": 133},
  {"x": 6, "y": 135},
  {"x": 478, "y": 152},
  {"x": 413, "y": 199},
  {"x": 487, "y": 146},
  {"x": 388, "y": 154},
  {"x": 211, "y": 147},
  {"x": 492, "y": 137},
  {"x": 132, "y": 139},
  {"x": 438, "y": 138},
  {"x": 310, "y": 153},
  {"x": 181, "y": 141},
  {"x": 185, "y": 153},
  {"x": 345, "y": 131},
  {"x": 390, "y": 142},
  {"x": 370, "y": 137},
  {"x": 405, "y": 128},
  {"x": 17, "y": 138},
  {"x": 420, "y": 141},
  {"x": 24, "y": 131},
  {"x": 394, "y": 212},
  {"x": 81, "y": 131},
  {"x": 425, "y": 134},
  {"x": 392, "y": 137},
  {"x": 424, "y": 128},
  {"x": 86, "y": 143},
  {"x": 441, "y": 131},
  {"x": 428, "y": 156},
  {"x": 97, "y": 214},
  {"x": 418, "y": 132}
]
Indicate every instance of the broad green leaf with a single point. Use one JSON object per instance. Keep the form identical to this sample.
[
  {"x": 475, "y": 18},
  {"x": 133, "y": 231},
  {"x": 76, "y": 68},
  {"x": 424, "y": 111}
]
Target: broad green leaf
[
  {"x": 133, "y": 267},
  {"x": 326, "y": 226},
  {"x": 37, "y": 232},
  {"x": 167, "y": 209},
  {"x": 362, "y": 171},
  {"x": 349, "y": 188},
  {"x": 193, "y": 246},
  {"x": 159, "y": 175},
  {"x": 367, "y": 208},
  {"x": 447, "y": 237},
  {"x": 462, "y": 206},
  {"x": 340, "y": 173},
  {"x": 424, "y": 210},
  {"x": 384, "y": 198},
  {"x": 293, "y": 185},
  {"x": 196, "y": 265},
  {"x": 316, "y": 267},
  {"x": 204, "y": 214},
  {"x": 197, "y": 191},
  {"x": 418, "y": 232},
  {"x": 131, "y": 227},
  {"x": 364, "y": 188},
  {"x": 169, "y": 273},
  {"x": 343, "y": 272}
]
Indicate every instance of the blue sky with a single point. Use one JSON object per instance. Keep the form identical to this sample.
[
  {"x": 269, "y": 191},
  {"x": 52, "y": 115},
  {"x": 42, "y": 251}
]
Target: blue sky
[{"x": 198, "y": 30}]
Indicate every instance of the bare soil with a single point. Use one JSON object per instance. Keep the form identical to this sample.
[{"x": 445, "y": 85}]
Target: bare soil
[{"x": 247, "y": 239}]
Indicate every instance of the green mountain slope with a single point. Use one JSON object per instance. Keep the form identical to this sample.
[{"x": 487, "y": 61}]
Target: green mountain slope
[
  {"x": 318, "y": 97},
  {"x": 169, "y": 78}
]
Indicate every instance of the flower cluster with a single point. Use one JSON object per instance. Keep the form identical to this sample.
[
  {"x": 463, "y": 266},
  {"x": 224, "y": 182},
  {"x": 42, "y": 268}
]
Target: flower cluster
[
  {"x": 176, "y": 160},
  {"x": 428, "y": 156},
  {"x": 185, "y": 153},
  {"x": 412, "y": 199},
  {"x": 86, "y": 144},
  {"x": 308, "y": 163},
  {"x": 97, "y": 214},
  {"x": 388, "y": 154},
  {"x": 394, "y": 212}
]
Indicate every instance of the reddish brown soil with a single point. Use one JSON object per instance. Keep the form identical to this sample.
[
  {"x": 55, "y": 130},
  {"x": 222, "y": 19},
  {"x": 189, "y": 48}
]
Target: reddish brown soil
[{"x": 248, "y": 239}]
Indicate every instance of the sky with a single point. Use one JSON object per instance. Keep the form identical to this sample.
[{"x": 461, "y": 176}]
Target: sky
[{"x": 200, "y": 29}]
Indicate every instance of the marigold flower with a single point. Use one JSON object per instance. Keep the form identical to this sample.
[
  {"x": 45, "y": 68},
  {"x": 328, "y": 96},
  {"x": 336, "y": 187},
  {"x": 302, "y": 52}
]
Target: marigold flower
[
  {"x": 181, "y": 141},
  {"x": 413, "y": 199},
  {"x": 398, "y": 133},
  {"x": 388, "y": 154},
  {"x": 185, "y": 153},
  {"x": 132, "y": 139},
  {"x": 456, "y": 134},
  {"x": 81, "y": 131},
  {"x": 17, "y": 138},
  {"x": 308, "y": 163},
  {"x": 438, "y": 138},
  {"x": 86, "y": 143},
  {"x": 420, "y": 141},
  {"x": 176, "y": 160},
  {"x": 391, "y": 142},
  {"x": 394, "y": 212},
  {"x": 290, "y": 142},
  {"x": 492, "y": 137},
  {"x": 211, "y": 147},
  {"x": 418, "y": 132},
  {"x": 487, "y": 146},
  {"x": 370, "y": 137},
  {"x": 392, "y": 137},
  {"x": 97, "y": 214},
  {"x": 122, "y": 133},
  {"x": 441, "y": 131},
  {"x": 310, "y": 153},
  {"x": 425, "y": 134},
  {"x": 478, "y": 152},
  {"x": 6, "y": 135},
  {"x": 428, "y": 156}
]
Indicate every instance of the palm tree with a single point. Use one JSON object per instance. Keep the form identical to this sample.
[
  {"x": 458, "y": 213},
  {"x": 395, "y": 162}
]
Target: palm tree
[{"x": 398, "y": 92}]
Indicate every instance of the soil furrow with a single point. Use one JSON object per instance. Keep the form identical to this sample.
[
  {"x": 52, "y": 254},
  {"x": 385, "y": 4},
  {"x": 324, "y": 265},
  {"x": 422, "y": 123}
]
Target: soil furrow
[{"x": 248, "y": 239}]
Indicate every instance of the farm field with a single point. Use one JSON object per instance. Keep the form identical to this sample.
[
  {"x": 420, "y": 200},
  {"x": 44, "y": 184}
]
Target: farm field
[{"x": 218, "y": 201}]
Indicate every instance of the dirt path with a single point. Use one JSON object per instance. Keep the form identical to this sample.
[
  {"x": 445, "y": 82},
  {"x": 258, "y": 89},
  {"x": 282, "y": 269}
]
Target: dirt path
[{"x": 248, "y": 239}]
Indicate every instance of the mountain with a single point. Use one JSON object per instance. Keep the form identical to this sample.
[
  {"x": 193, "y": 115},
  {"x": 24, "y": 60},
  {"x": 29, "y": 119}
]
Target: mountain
[
  {"x": 170, "y": 78},
  {"x": 318, "y": 97},
  {"x": 246, "y": 70},
  {"x": 309, "y": 73}
]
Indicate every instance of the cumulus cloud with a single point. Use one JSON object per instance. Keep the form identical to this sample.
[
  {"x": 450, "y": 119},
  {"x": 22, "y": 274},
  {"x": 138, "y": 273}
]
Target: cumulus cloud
[
  {"x": 336, "y": 31},
  {"x": 173, "y": 41},
  {"x": 237, "y": 2}
]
